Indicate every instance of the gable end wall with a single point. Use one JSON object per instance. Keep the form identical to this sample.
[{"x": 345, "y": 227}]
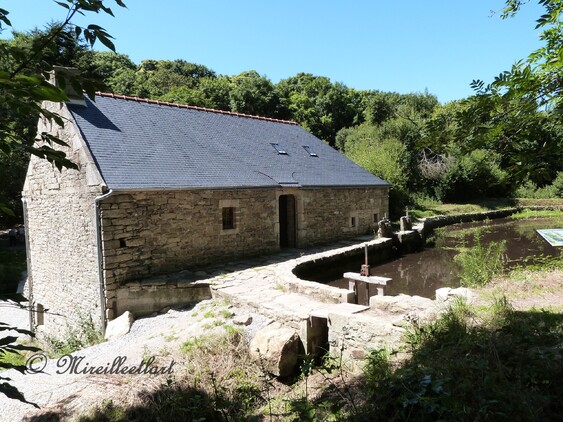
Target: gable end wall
[{"x": 60, "y": 229}]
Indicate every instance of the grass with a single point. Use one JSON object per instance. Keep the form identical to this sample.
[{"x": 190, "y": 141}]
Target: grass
[
  {"x": 428, "y": 207},
  {"x": 82, "y": 334},
  {"x": 12, "y": 358},
  {"x": 479, "y": 263},
  {"x": 527, "y": 213},
  {"x": 470, "y": 366},
  {"x": 219, "y": 383}
]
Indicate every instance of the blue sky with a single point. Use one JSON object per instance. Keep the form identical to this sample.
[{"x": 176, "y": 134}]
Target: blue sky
[{"x": 389, "y": 45}]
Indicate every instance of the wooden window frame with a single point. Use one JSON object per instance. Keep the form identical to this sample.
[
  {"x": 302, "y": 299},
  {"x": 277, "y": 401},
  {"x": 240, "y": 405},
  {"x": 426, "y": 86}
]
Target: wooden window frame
[{"x": 229, "y": 218}]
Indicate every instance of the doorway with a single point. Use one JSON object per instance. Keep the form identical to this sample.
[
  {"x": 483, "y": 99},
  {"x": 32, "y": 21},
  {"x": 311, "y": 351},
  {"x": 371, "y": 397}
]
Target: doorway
[{"x": 288, "y": 226}]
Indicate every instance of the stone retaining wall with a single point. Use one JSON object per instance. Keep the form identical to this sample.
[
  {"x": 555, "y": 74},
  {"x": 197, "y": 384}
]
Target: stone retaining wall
[
  {"x": 144, "y": 299},
  {"x": 431, "y": 223},
  {"x": 291, "y": 274}
]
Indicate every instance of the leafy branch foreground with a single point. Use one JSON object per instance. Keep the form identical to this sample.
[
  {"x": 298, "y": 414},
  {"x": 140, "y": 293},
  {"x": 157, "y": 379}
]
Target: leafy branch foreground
[{"x": 470, "y": 364}]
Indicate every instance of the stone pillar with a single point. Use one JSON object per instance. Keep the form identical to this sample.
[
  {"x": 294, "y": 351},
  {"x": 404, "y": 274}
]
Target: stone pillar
[
  {"x": 385, "y": 229},
  {"x": 406, "y": 223}
]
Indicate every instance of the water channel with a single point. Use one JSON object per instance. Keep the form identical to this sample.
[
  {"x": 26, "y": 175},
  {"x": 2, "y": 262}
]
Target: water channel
[{"x": 421, "y": 273}]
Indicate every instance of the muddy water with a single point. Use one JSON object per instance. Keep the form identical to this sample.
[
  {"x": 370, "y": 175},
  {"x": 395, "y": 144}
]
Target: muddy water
[{"x": 423, "y": 272}]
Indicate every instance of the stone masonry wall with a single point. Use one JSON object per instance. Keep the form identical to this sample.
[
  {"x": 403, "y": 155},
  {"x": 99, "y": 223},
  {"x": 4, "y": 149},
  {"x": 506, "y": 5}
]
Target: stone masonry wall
[
  {"x": 60, "y": 227},
  {"x": 327, "y": 213},
  {"x": 150, "y": 233}
]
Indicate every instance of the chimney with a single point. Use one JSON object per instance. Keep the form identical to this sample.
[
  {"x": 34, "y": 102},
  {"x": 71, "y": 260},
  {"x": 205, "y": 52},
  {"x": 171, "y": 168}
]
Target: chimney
[{"x": 61, "y": 78}]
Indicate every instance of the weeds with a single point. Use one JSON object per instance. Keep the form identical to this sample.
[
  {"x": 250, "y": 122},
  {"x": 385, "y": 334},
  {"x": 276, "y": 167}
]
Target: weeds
[
  {"x": 465, "y": 366},
  {"x": 479, "y": 264},
  {"x": 84, "y": 333}
]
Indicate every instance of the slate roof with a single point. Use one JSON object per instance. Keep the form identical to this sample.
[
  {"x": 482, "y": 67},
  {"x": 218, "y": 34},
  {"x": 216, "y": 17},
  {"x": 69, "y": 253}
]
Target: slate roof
[{"x": 141, "y": 144}]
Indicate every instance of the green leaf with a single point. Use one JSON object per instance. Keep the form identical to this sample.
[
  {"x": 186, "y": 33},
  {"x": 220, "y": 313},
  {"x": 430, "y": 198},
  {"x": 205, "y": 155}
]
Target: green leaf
[
  {"x": 4, "y": 18},
  {"x": 60, "y": 3},
  {"x": 49, "y": 92},
  {"x": 6, "y": 210}
]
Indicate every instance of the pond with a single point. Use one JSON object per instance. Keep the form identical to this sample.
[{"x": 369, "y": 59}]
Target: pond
[{"x": 423, "y": 272}]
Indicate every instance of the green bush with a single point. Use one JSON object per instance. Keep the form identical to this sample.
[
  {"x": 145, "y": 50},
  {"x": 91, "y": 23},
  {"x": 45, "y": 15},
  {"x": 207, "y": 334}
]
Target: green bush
[
  {"x": 531, "y": 190},
  {"x": 386, "y": 158},
  {"x": 472, "y": 176}
]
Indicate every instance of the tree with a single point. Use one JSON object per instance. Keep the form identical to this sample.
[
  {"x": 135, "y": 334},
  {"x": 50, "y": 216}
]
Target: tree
[
  {"x": 320, "y": 106},
  {"x": 117, "y": 71},
  {"x": 520, "y": 114},
  {"x": 24, "y": 85},
  {"x": 251, "y": 93}
]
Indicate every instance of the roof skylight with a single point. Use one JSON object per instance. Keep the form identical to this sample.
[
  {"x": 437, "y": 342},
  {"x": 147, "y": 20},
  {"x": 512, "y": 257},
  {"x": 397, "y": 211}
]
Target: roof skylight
[
  {"x": 279, "y": 149},
  {"x": 310, "y": 151}
]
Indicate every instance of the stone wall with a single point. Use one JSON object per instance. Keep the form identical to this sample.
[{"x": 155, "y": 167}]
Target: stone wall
[
  {"x": 351, "y": 337},
  {"x": 149, "y": 233},
  {"x": 328, "y": 213},
  {"x": 144, "y": 299},
  {"x": 60, "y": 231},
  {"x": 160, "y": 232}
]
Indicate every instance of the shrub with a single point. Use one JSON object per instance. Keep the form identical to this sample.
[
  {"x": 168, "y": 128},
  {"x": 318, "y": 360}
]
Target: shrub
[
  {"x": 531, "y": 190},
  {"x": 388, "y": 159},
  {"x": 472, "y": 176}
]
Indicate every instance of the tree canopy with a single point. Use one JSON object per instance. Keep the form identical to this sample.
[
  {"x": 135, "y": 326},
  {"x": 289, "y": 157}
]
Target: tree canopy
[{"x": 516, "y": 118}]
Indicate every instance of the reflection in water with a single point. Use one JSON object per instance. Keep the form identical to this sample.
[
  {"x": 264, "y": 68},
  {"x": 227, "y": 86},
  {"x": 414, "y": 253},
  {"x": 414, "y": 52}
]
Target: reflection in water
[{"x": 423, "y": 272}]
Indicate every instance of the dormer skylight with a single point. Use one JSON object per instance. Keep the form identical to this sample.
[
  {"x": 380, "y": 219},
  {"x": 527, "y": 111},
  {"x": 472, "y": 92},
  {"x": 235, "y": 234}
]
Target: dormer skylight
[
  {"x": 310, "y": 151},
  {"x": 279, "y": 149}
]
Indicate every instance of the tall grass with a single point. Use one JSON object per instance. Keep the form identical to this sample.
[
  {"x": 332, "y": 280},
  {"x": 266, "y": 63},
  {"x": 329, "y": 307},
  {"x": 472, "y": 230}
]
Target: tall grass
[
  {"x": 503, "y": 365},
  {"x": 480, "y": 263}
]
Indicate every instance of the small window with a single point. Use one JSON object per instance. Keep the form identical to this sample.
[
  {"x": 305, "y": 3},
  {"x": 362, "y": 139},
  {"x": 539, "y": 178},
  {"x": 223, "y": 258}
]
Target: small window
[
  {"x": 122, "y": 243},
  {"x": 375, "y": 218},
  {"x": 279, "y": 149},
  {"x": 352, "y": 221},
  {"x": 310, "y": 151},
  {"x": 228, "y": 218}
]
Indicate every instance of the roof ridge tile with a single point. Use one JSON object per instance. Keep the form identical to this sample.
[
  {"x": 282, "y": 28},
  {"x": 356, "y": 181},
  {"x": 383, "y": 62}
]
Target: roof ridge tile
[{"x": 190, "y": 107}]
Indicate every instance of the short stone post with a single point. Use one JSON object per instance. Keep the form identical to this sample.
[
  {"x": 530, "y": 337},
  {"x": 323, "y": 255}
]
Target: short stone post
[
  {"x": 385, "y": 229},
  {"x": 406, "y": 223}
]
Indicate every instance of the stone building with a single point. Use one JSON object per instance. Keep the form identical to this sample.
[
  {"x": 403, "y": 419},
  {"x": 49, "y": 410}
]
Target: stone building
[{"x": 163, "y": 188}]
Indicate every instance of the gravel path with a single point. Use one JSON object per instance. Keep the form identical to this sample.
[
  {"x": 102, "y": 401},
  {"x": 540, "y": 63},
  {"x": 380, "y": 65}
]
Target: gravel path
[{"x": 57, "y": 390}]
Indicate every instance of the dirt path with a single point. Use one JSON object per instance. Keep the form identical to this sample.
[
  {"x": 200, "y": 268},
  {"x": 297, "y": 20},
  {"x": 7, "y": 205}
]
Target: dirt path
[{"x": 527, "y": 290}]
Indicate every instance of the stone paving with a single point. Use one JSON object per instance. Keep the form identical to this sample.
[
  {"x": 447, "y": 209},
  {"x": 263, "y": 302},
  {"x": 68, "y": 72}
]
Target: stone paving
[
  {"x": 320, "y": 313},
  {"x": 263, "y": 284}
]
